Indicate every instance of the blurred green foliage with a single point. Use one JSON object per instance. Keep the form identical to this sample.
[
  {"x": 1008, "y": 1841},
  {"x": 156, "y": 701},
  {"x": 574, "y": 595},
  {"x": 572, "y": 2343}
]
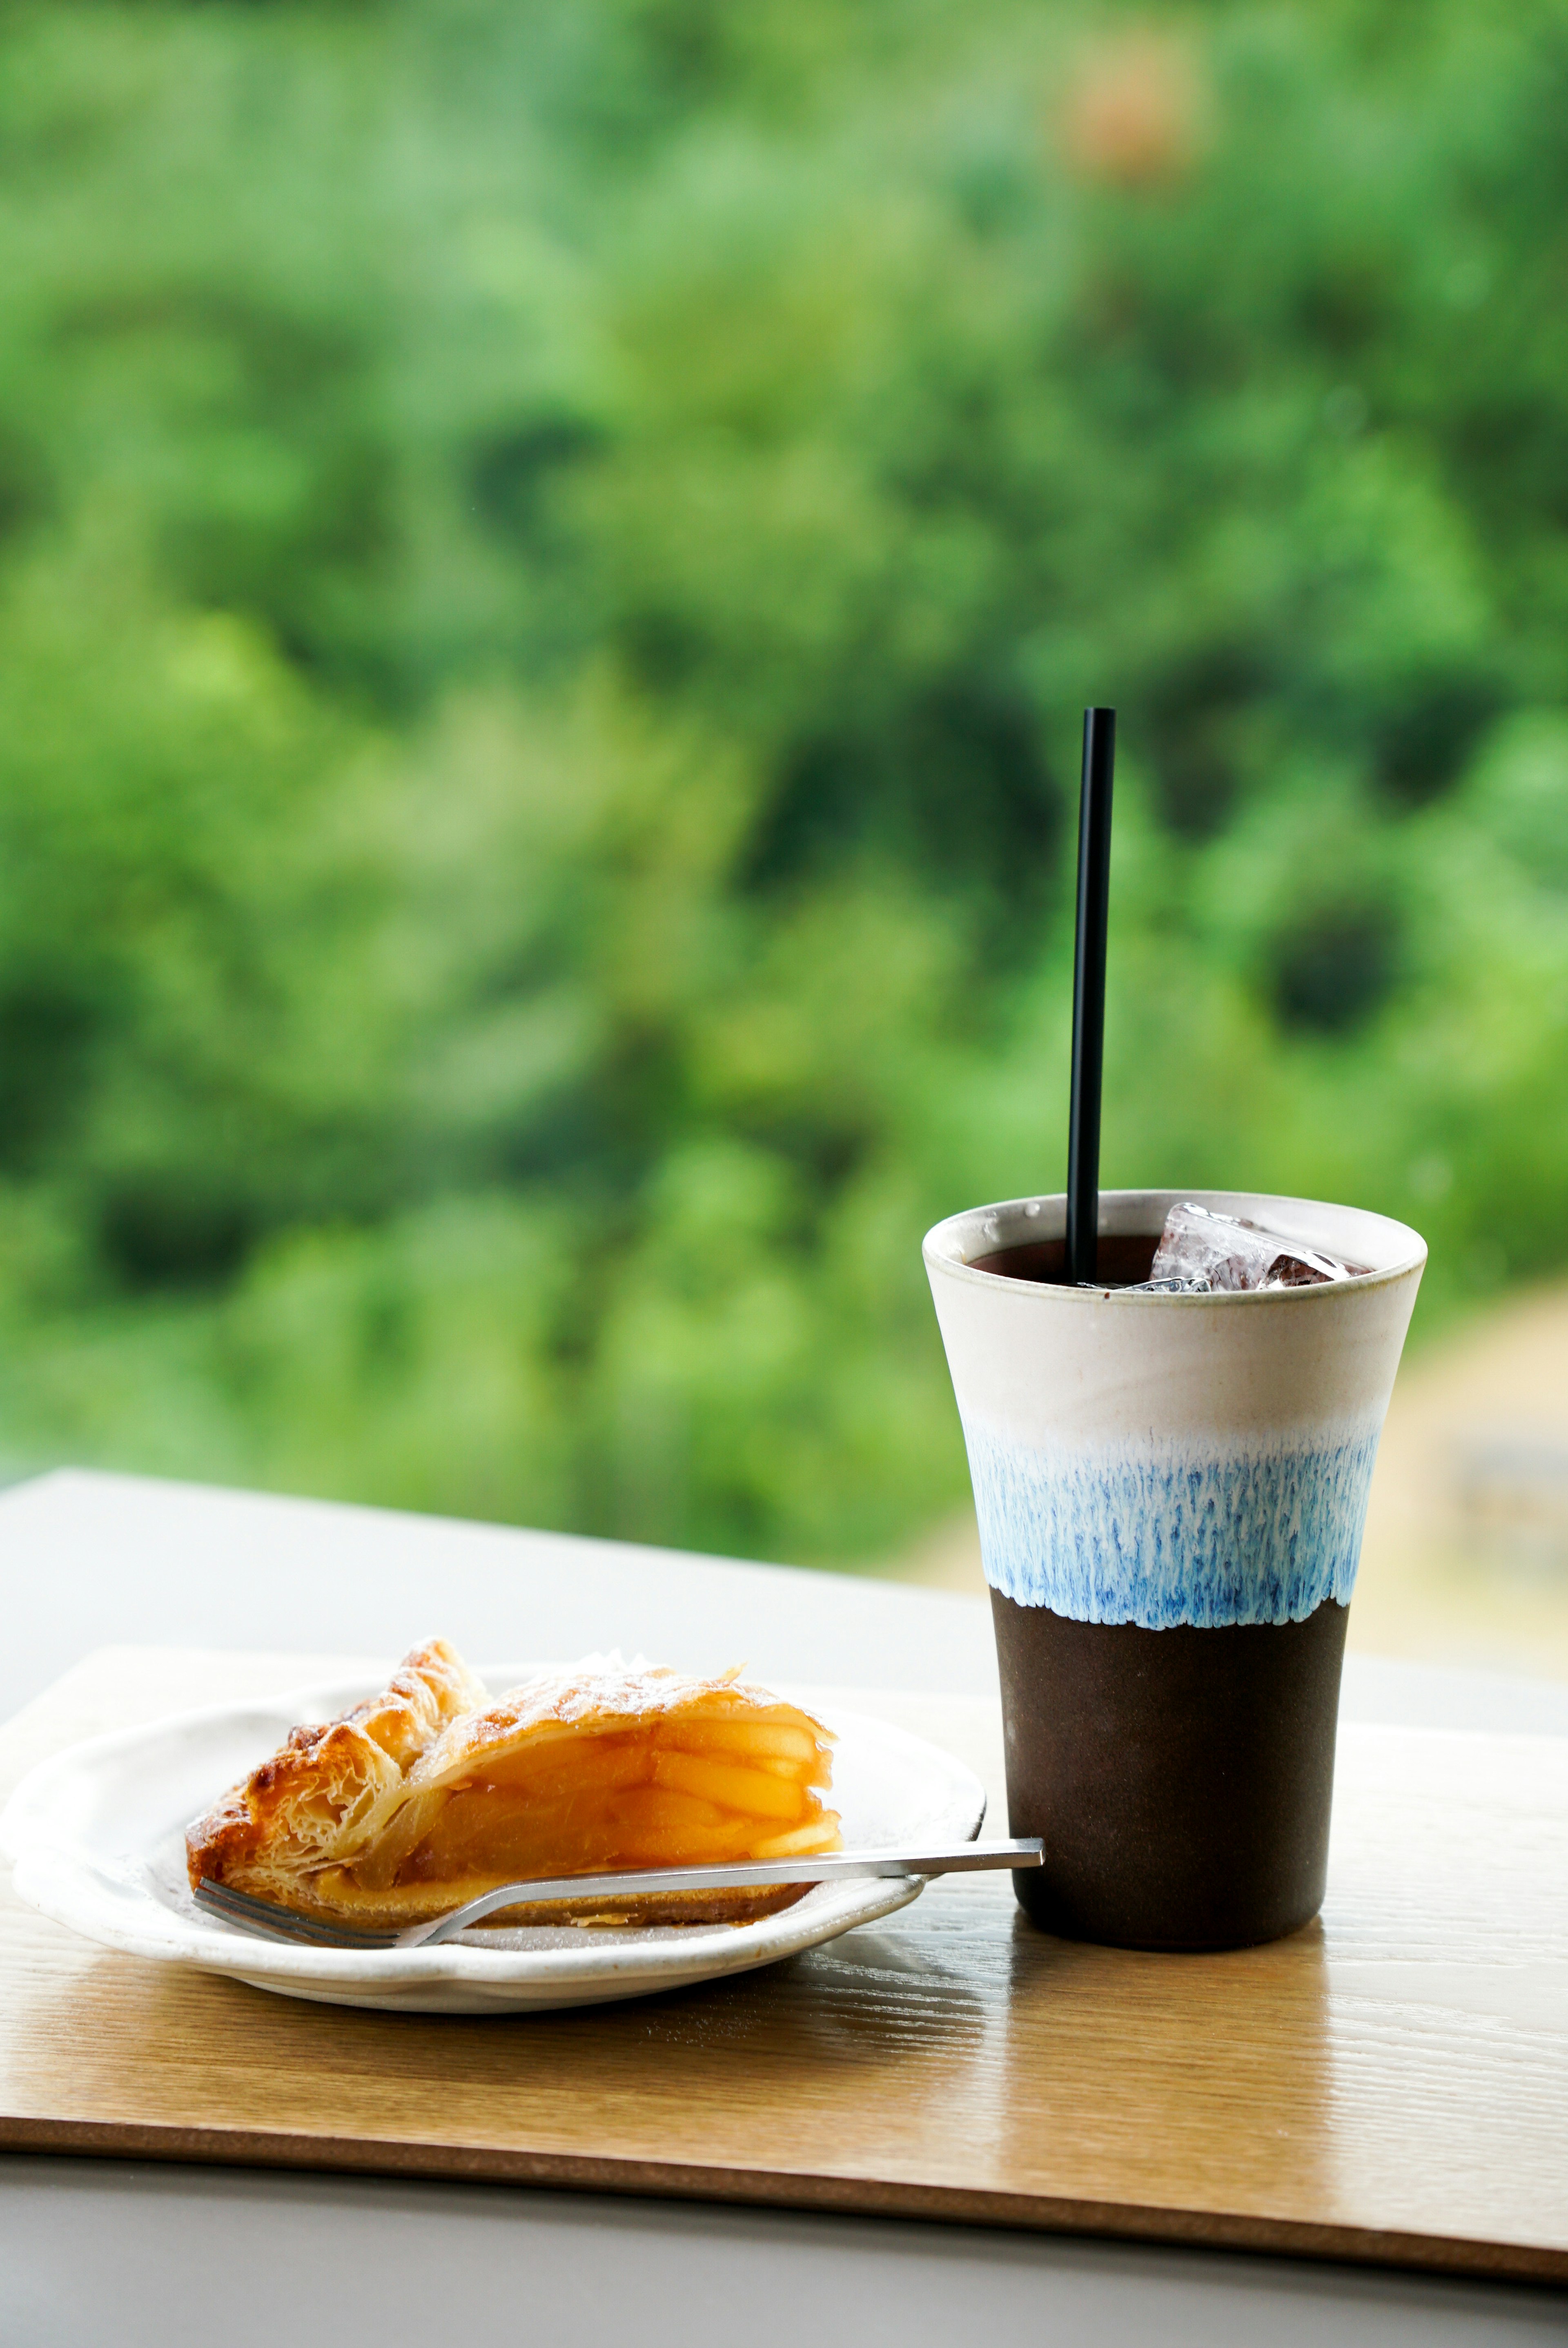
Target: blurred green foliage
[{"x": 550, "y": 561}]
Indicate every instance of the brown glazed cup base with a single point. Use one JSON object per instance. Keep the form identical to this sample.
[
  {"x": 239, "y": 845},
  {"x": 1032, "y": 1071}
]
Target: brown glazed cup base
[{"x": 1181, "y": 1779}]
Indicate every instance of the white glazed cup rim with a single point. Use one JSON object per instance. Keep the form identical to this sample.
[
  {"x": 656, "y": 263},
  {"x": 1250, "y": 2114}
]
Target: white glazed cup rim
[{"x": 1358, "y": 1235}]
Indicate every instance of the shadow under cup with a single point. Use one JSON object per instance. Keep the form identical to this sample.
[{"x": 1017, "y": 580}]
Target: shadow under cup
[{"x": 1170, "y": 1493}]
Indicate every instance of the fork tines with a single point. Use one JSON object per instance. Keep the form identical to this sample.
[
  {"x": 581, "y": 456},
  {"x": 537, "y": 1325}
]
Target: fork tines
[{"x": 274, "y": 1923}]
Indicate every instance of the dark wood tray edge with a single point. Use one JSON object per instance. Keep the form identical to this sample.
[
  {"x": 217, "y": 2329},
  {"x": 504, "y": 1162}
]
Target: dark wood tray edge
[{"x": 1495, "y": 2262}]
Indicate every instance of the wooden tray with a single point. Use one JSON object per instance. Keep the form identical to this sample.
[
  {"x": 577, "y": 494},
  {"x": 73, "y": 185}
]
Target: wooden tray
[{"x": 1390, "y": 2085}]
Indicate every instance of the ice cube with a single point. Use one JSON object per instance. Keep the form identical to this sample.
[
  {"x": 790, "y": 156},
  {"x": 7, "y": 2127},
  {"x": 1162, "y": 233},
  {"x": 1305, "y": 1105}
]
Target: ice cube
[
  {"x": 1148, "y": 1287},
  {"x": 1225, "y": 1252}
]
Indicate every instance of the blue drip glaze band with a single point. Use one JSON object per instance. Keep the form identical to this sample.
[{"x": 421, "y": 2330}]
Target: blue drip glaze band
[{"x": 1166, "y": 1533}]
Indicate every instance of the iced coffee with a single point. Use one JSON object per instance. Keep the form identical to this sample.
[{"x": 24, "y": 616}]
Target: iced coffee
[{"x": 1171, "y": 1467}]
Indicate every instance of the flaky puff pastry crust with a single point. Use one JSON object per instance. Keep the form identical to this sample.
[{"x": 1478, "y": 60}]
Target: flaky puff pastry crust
[
  {"x": 605, "y": 1767},
  {"x": 325, "y": 1795}
]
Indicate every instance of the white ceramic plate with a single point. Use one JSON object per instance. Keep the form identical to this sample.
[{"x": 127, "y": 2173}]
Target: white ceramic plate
[{"x": 95, "y": 1837}]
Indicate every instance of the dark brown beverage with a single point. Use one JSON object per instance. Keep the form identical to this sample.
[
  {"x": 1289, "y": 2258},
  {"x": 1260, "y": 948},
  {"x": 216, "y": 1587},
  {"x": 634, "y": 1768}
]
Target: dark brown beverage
[{"x": 1124, "y": 1258}]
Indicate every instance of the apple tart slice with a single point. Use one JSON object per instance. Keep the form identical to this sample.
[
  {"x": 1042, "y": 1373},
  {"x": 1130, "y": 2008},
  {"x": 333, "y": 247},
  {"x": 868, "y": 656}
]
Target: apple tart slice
[{"x": 603, "y": 1768}]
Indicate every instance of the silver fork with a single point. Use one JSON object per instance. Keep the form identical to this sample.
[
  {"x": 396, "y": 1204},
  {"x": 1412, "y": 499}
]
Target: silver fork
[{"x": 268, "y": 1921}]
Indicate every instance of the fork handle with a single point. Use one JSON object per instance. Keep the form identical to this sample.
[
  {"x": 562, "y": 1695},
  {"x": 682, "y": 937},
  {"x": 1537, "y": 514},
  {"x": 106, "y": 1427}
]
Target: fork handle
[{"x": 826, "y": 1867}]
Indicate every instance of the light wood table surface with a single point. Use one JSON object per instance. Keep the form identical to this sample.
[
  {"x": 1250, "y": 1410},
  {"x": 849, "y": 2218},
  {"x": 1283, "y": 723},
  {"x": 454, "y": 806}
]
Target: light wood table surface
[{"x": 1390, "y": 2085}]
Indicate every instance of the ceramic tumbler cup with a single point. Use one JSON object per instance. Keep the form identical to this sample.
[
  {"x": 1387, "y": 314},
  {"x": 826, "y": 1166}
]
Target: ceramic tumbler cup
[{"x": 1171, "y": 1492}]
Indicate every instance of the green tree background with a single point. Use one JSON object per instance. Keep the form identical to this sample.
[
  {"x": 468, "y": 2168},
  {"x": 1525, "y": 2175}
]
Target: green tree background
[{"x": 550, "y": 561}]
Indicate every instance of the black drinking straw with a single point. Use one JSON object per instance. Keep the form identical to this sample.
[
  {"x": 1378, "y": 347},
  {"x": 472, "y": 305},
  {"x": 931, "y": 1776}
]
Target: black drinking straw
[{"x": 1089, "y": 994}]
